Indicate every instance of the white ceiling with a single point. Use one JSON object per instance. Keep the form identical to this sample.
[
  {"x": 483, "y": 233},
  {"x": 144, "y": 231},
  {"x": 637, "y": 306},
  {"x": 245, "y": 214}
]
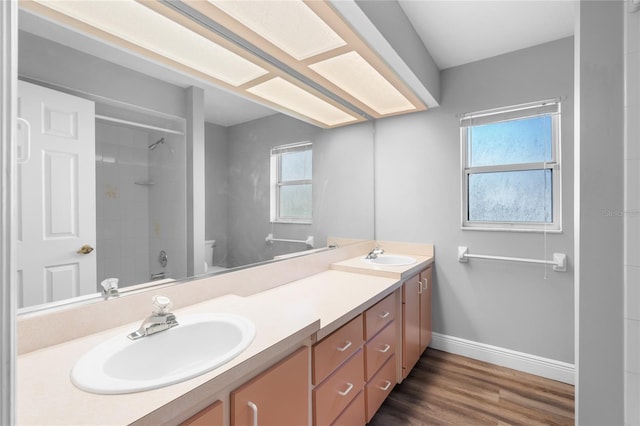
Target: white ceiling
[
  {"x": 454, "y": 31},
  {"x": 457, "y": 32}
]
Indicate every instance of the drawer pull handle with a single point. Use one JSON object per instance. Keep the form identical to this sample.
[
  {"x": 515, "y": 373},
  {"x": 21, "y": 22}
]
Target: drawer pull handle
[
  {"x": 254, "y": 409},
  {"x": 345, "y": 347},
  {"x": 346, "y": 392},
  {"x": 419, "y": 287},
  {"x": 426, "y": 284},
  {"x": 386, "y": 386},
  {"x": 385, "y": 349},
  {"x": 384, "y": 315}
]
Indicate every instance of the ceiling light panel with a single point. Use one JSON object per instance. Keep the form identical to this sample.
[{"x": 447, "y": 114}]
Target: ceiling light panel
[
  {"x": 350, "y": 70},
  {"x": 139, "y": 25},
  {"x": 290, "y": 25},
  {"x": 353, "y": 74},
  {"x": 281, "y": 92},
  {"x": 299, "y": 57}
]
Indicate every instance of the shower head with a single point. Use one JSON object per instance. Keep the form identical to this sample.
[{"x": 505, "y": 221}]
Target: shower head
[{"x": 156, "y": 143}]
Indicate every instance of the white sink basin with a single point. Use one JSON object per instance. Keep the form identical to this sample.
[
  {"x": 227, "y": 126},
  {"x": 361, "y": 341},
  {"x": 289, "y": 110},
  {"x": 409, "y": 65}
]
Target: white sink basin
[
  {"x": 200, "y": 343},
  {"x": 390, "y": 260}
]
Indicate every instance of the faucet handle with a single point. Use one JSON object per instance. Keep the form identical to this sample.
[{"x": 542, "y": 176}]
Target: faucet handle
[
  {"x": 110, "y": 287},
  {"x": 161, "y": 305}
]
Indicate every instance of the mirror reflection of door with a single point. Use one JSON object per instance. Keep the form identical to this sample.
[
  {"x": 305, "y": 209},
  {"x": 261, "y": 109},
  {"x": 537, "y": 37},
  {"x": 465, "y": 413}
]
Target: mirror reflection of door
[{"x": 56, "y": 210}]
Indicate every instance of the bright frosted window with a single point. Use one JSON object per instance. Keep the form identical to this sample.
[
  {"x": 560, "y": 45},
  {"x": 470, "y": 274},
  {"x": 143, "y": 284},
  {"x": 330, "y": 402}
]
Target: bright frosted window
[
  {"x": 291, "y": 188},
  {"x": 511, "y": 142},
  {"x": 511, "y": 171},
  {"x": 295, "y": 201},
  {"x": 520, "y": 196},
  {"x": 295, "y": 165}
]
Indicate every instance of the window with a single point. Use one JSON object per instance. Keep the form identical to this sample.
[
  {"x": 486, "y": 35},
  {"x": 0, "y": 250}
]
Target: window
[
  {"x": 511, "y": 168},
  {"x": 291, "y": 188}
]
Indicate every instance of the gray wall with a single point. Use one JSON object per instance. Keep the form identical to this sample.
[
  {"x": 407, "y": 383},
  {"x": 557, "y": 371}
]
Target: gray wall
[
  {"x": 343, "y": 183},
  {"x": 195, "y": 141},
  {"x": 516, "y": 306},
  {"x": 248, "y": 178},
  {"x": 216, "y": 187},
  {"x": 46, "y": 61},
  {"x": 599, "y": 275},
  {"x": 342, "y": 191}
]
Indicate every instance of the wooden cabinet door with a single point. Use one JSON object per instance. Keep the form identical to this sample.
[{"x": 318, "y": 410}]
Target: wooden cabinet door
[
  {"x": 410, "y": 324},
  {"x": 278, "y": 397},
  {"x": 425, "y": 308}
]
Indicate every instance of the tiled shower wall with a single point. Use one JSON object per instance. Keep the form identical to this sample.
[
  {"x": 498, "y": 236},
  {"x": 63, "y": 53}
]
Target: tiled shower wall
[
  {"x": 632, "y": 219},
  {"x": 141, "y": 204},
  {"x": 167, "y": 219},
  {"x": 122, "y": 159}
]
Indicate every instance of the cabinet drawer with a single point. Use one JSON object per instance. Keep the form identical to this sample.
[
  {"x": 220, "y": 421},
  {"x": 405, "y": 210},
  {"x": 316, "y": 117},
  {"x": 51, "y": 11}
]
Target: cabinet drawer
[
  {"x": 210, "y": 416},
  {"x": 353, "y": 415},
  {"x": 335, "y": 393},
  {"x": 379, "y": 315},
  {"x": 335, "y": 348},
  {"x": 379, "y": 349},
  {"x": 380, "y": 387}
]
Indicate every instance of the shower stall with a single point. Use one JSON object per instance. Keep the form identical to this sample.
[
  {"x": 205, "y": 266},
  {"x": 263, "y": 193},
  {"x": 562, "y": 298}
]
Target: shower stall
[{"x": 140, "y": 202}]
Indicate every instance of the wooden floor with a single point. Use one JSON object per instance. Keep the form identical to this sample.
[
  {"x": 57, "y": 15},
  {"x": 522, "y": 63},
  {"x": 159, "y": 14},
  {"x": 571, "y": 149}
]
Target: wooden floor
[{"x": 447, "y": 389}]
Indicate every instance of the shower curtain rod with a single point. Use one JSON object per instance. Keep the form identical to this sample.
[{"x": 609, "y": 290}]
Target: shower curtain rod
[{"x": 133, "y": 123}]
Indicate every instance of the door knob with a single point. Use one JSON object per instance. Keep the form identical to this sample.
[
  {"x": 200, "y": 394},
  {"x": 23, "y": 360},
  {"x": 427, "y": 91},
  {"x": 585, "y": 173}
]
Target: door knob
[{"x": 85, "y": 249}]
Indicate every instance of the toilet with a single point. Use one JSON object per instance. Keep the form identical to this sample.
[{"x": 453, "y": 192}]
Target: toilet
[{"x": 209, "y": 245}]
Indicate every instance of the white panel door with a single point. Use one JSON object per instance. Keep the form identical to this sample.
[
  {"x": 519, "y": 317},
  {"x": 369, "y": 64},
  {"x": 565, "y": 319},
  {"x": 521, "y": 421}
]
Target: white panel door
[{"x": 56, "y": 195}]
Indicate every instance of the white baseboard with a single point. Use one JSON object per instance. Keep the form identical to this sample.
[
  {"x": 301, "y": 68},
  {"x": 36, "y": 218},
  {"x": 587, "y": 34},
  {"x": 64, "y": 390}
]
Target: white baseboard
[{"x": 545, "y": 367}]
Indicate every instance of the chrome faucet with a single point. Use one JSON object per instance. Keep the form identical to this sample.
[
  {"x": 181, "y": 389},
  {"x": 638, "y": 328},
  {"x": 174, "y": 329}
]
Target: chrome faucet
[
  {"x": 374, "y": 253},
  {"x": 161, "y": 319},
  {"x": 110, "y": 288}
]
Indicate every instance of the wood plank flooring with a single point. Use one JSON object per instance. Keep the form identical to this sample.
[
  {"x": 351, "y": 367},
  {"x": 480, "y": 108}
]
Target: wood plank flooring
[{"x": 447, "y": 389}]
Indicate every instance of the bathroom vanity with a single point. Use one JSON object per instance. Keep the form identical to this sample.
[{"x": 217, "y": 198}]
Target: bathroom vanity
[{"x": 333, "y": 334}]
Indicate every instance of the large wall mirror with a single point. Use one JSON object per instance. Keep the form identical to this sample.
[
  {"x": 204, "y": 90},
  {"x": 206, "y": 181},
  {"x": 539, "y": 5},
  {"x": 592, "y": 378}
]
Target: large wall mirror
[{"x": 122, "y": 204}]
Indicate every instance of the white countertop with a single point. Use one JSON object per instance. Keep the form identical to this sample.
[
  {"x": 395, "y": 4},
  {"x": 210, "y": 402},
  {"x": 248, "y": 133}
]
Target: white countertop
[
  {"x": 284, "y": 316},
  {"x": 398, "y": 272}
]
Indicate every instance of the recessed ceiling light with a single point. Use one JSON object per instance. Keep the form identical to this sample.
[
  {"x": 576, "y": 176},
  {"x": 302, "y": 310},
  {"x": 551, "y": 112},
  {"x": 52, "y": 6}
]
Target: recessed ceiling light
[
  {"x": 289, "y": 25},
  {"x": 139, "y": 25},
  {"x": 353, "y": 74},
  {"x": 288, "y": 95},
  {"x": 300, "y": 57}
]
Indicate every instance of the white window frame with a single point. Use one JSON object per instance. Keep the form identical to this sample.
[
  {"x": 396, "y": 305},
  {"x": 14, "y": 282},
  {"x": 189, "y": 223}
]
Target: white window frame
[
  {"x": 277, "y": 184},
  {"x": 547, "y": 107}
]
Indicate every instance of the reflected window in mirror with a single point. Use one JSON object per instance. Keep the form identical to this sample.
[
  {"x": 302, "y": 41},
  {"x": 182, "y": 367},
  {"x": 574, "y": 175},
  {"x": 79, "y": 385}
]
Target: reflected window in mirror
[{"x": 291, "y": 185}]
